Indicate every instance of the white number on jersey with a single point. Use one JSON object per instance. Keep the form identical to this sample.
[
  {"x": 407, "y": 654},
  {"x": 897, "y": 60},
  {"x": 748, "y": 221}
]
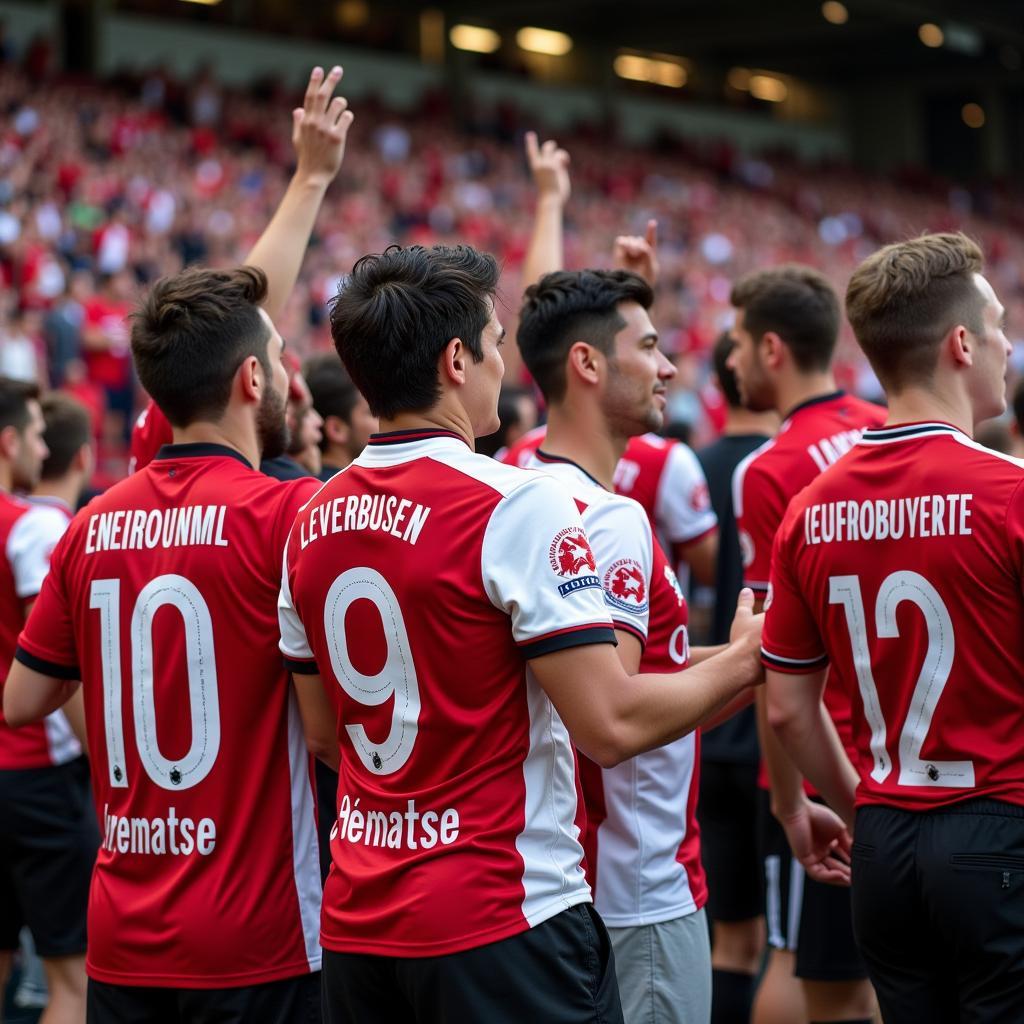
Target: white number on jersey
[
  {"x": 931, "y": 681},
  {"x": 203, "y": 699}
]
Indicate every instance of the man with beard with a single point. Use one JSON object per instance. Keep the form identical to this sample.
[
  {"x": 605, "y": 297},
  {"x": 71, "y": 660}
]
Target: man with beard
[
  {"x": 787, "y": 323},
  {"x": 162, "y": 599}
]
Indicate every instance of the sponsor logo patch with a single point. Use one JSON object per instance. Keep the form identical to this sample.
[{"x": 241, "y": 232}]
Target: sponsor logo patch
[
  {"x": 570, "y": 553},
  {"x": 625, "y": 587}
]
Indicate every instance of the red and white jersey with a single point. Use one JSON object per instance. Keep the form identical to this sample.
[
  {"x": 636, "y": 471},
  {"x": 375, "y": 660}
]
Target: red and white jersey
[
  {"x": 642, "y": 840},
  {"x": 162, "y": 598},
  {"x": 812, "y": 437},
  {"x": 903, "y": 570},
  {"x": 150, "y": 432},
  {"x": 29, "y": 531},
  {"x": 663, "y": 475},
  {"x": 420, "y": 581}
]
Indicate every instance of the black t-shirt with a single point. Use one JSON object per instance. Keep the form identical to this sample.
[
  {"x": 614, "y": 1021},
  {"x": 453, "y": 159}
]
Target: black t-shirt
[{"x": 735, "y": 741}]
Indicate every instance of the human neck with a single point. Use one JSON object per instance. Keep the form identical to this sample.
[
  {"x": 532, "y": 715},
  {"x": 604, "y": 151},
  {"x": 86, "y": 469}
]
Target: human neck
[
  {"x": 228, "y": 432},
  {"x": 917, "y": 405},
  {"x": 586, "y": 440},
  {"x": 744, "y": 421},
  {"x": 337, "y": 457},
  {"x": 793, "y": 390},
  {"x": 443, "y": 416},
  {"x": 67, "y": 489}
]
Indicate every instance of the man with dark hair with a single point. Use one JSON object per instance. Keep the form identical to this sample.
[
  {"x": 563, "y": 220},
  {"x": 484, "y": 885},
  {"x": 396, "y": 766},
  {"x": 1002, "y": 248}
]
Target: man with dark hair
[
  {"x": 727, "y": 808},
  {"x": 900, "y": 573},
  {"x": 517, "y": 414},
  {"x": 46, "y": 820},
  {"x": 347, "y": 420},
  {"x": 452, "y": 606},
  {"x": 787, "y": 323},
  {"x": 68, "y": 437},
  {"x": 588, "y": 341}
]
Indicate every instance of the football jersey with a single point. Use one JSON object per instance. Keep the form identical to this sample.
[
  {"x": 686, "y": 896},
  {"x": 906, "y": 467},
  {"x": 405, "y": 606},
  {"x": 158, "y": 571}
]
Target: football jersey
[
  {"x": 902, "y": 569},
  {"x": 162, "y": 598},
  {"x": 150, "y": 432},
  {"x": 28, "y": 532},
  {"x": 662, "y": 474},
  {"x": 642, "y": 839},
  {"x": 420, "y": 581}
]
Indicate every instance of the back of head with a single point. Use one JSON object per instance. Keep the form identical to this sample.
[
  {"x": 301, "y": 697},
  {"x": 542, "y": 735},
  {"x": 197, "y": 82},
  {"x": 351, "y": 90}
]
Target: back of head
[
  {"x": 190, "y": 335},
  {"x": 905, "y": 298},
  {"x": 331, "y": 387},
  {"x": 14, "y": 398},
  {"x": 798, "y": 304},
  {"x": 570, "y": 306},
  {"x": 723, "y": 373},
  {"x": 396, "y": 313},
  {"x": 68, "y": 430}
]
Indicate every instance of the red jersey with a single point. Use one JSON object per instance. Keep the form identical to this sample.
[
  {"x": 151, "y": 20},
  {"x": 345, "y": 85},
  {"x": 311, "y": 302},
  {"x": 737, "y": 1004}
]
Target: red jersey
[
  {"x": 903, "y": 570},
  {"x": 109, "y": 367},
  {"x": 642, "y": 839},
  {"x": 28, "y": 532},
  {"x": 664, "y": 476},
  {"x": 162, "y": 598},
  {"x": 420, "y": 581},
  {"x": 150, "y": 432}
]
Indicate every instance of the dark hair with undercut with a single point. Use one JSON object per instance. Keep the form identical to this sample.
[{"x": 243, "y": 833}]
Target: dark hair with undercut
[
  {"x": 570, "y": 306},
  {"x": 396, "y": 312},
  {"x": 14, "y": 398},
  {"x": 723, "y": 373},
  {"x": 68, "y": 429},
  {"x": 905, "y": 298},
  {"x": 332, "y": 389},
  {"x": 798, "y": 304},
  {"x": 190, "y": 335}
]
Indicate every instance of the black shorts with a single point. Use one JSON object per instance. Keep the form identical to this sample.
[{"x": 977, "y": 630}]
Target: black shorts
[
  {"x": 288, "y": 1001},
  {"x": 938, "y": 907},
  {"x": 727, "y": 814},
  {"x": 562, "y": 970},
  {"x": 48, "y": 843},
  {"x": 806, "y": 917}
]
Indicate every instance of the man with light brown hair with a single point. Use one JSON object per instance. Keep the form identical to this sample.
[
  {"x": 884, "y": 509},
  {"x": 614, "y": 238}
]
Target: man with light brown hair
[{"x": 900, "y": 572}]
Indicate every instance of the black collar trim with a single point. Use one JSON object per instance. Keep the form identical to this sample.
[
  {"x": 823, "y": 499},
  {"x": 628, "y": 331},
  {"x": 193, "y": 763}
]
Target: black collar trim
[
  {"x": 830, "y": 397},
  {"x": 543, "y": 456},
  {"x": 201, "y": 450},
  {"x": 414, "y": 434}
]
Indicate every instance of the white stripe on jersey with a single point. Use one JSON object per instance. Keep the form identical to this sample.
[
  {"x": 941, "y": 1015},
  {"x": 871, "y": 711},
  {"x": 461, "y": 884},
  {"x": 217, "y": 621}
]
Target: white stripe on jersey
[
  {"x": 60, "y": 738},
  {"x": 305, "y": 849}
]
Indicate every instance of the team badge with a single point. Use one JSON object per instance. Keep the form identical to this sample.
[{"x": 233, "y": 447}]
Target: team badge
[
  {"x": 746, "y": 549},
  {"x": 571, "y": 557},
  {"x": 672, "y": 580},
  {"x": 700, "y": 498},
  {"x": 625, "y": 586}
]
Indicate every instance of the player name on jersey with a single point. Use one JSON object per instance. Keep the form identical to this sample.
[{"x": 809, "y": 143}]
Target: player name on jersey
[
  {"x": 160, "y": 836},
  {"x": 412, "y": 829},
  {"x": 139, "y": 529},
  {"x": 400, "y": 517},
  {"x": 927, "y": 515},
  {"x": 828, "y": 450}
]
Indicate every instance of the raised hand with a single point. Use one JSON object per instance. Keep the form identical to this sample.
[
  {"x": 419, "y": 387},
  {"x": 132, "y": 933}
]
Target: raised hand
[
  {"x": 639, "y": 254},
  {"x": 549, "y": 166},
  {"x": 821, "y": 842},
  {"x": 320, "y": 127}
]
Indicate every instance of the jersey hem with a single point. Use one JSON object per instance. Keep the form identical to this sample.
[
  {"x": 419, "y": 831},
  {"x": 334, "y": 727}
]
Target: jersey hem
[
  {"x": 301, "y": 667},
  {"x": 628, "y": 627},
  {"x": 943, "y": 803},
  {"x": 135, "y": 980},
  {"x": 682, "y": 545},
  {"x": 793, "y": 666},
  {"x": 658, "y": 917},
  {"x": 48, "y": 668}
]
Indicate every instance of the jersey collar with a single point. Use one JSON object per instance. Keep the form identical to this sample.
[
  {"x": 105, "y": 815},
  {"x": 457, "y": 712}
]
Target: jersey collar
[
  {"x": 817, "y": 400},
  {"x": 412, "y": 435},
  {"x": 909, "y": 431},
  {"x": 200, "y": 450},
  {"x": 543, "y": 456}
]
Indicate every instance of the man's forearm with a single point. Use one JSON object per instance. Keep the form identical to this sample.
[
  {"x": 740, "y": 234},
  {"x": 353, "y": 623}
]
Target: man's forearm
[
  {"x": 545, "y": 253},
  {"x": 784, "y": 778}
]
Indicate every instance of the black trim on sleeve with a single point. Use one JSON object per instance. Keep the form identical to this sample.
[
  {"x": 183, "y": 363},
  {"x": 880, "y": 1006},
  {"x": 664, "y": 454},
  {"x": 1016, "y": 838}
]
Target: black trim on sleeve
[
  {"x": 793, "y": 666},
  {"x": 46, "y": 668},
  {"x": 628, "y": 627},
  {"x": 573, "y": 638},
  {"x": 301, "y": 668}
]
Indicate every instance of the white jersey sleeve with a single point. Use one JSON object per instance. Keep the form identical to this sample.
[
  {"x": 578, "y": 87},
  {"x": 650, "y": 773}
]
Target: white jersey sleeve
[
  {"x": 293, "y": 644},
  {"x": 620, "y": 534},
  {"x": 682, "y": 508},
  {"x": 538, "y": 566},
  {"x": 30, "y": 544}
]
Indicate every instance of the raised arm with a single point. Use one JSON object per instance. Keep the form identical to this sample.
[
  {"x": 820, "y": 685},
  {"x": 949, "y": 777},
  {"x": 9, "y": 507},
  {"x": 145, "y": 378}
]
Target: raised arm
[
  {"x": 319, "y": 130},
  {"x": 549, "y": 166},
  {"x": 639, "y": 254}
]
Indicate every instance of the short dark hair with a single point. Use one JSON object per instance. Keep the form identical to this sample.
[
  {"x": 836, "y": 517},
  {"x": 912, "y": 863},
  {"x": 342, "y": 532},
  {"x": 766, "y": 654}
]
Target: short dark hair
[
  {"x": 569, "y": 306},
  {"x": 332, "y": 389},
  {"x": 68, "y": 430},
  {"x": 192, "y": 332},
  {"x": 723, "y": 372},
  {"x": 14, "y": 398},
  {"x": 798, "y": 304},
  {"x": 904, "y": 299},
  {"x": 396, "y": 312}
]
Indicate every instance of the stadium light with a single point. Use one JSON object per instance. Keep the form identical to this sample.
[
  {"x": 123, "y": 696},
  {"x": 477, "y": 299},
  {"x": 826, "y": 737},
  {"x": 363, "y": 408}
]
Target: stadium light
[
  {"x": 352, "y": 13},
  {"x": 931, "y": 35},
  {"x": 544, "y": 40},
  {"x": 474, "y": 38},
  {"x": 205, "y": 3},
  {"x": 834, "y": 12},
  {"x": 739, "y": 79},
  {"x": 973, "y": 115},
  {"x": 768, "y": 87},
  {"x": 656, "y": 70}
]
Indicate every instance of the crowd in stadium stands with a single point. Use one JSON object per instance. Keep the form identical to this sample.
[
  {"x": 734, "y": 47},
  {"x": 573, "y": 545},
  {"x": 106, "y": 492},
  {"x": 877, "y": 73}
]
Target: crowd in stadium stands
[{"x": 105, "y": 186}]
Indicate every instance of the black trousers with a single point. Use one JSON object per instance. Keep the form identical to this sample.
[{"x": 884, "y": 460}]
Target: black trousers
[
  {"x": 938, "y": 911},
  {"x": 562, "y": 970}
]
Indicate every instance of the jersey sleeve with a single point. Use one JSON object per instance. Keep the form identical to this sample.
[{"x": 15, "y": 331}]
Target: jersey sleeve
[
  {"x": 298, "y": 656},
  {"x": 47, "y": 643},
  {"x": 29, "y": 546},
  {"x": 759, "y": 507},
  {"x": 791, "y": 641},
  {"x": 620, "y": 536},
  {"x": 1015, "y": 531},
  {"x": 539, "y": 568},
  {"x": 683, "y": 505}
]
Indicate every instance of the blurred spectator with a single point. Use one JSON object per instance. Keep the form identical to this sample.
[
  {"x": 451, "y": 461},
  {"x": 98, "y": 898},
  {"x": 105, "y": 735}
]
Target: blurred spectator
[
  {"x": 105, "y": 338},
  {"x": 63, "y": 324},
  {"x": 347, "y": 420},
  {"x": 517, "y": 412},
  {"x": 1017, "y": 426},
  {"x": 21, "y": 345}
]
